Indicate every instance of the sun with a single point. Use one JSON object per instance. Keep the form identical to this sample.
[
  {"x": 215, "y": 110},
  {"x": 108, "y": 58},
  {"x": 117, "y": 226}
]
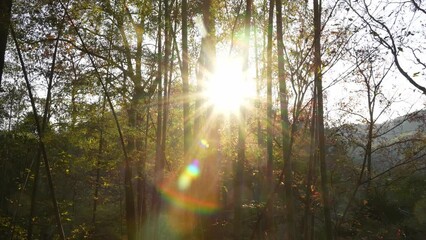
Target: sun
[{"x": 227, "y": 90}]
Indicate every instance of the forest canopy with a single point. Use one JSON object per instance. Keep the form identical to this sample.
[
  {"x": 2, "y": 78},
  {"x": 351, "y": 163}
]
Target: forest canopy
[{"x": 209, "y": 119}]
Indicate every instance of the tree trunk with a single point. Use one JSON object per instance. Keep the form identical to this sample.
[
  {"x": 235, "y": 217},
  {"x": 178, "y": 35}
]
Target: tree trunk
[
  {"x": 269, "y": 118},
  {"x": 167, "y": 77},
  {"x": 159, "y": 165},
  {"x": 185, "y": 80},
  {"x": 241, "y": 157},
  {"x": 309, "y": 215},
  {"x": 368, "y": 149},
  {"x": 45, "y": 122},
  {"x": 285, "y": 126},
  {"x": 5, "y": 14},
  {"x": 98, "y": 165},
  {"x": 141, "y": 183},
  {"x": 130, "y": 201},
  {"x": 320, "y": 119},
  {"x": 257, "y": 188},
  {"x": 40, "y": 140}
]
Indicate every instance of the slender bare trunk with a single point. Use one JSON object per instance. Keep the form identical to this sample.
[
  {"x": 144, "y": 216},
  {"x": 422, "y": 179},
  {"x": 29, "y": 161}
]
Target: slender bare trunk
[
  {"x": 309, "y": 216},
  {"x": 40, "y": 139},
  {"x": 98, "y": 164},
  {"x": 320, "y": 119},
  {"x": 43, "y": 127},
  {"x": 285, "y": 126},
  {"x": 159, "y": 164},
  {"x": 167, "y": 78},
  {"x": 185, "y": 79},
  {"x": 241, "y": 157},
  {"x": 129, "y": 195},
  {"x": 5, "y": 14},
  {"x": 368, "y": 149},
  {"x": 141, "y": 183},
  {"x": 269, "y": 118}
]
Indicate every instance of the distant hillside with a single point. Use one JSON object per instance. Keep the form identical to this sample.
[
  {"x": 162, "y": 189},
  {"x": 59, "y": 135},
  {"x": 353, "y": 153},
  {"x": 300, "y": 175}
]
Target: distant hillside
[
  {"x": 404, "y": 125},
  {"x": 393, "y": 139}
]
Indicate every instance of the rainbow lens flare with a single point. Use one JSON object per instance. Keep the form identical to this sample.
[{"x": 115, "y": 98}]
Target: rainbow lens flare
[
  {"x": 185, "y": 192},
  {"x": 203, "y": 143},
  {"x": 191, "y": 172},
  {"x": 185, "y": 201}
]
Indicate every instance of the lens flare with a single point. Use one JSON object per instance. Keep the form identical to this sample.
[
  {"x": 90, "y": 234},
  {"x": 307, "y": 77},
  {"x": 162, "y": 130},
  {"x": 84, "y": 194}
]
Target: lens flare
[
  {"x": 182, "y": 200},
  {"x": 186, "y": 196},
  {"x": 191, "y": 172},
  {"x": 203, "y": 143}
]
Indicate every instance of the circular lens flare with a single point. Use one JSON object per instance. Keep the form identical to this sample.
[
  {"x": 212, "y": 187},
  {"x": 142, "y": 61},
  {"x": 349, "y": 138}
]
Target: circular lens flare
[
  {"x": 183, "y": 196},
  {"x": 191, "y": 172},
  {"x": 204, "y": 144}
]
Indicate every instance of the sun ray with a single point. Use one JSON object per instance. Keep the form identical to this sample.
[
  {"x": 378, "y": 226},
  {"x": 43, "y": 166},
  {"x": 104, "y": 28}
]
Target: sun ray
[{"x": 228, "y": 89}]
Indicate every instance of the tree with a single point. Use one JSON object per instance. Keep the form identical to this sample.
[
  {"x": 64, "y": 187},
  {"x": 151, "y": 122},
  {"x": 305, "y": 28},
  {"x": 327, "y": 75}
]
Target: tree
[
  {"x": 269, "y": 117},
  {"x": 285, "y": 126},
  {"x": 185, "y": 78},
  {"x": 5, "y": 13},
  {"x": 320, "y": 119},
  {"x": 392, "y": 38},
  {"x": 136, "y": 145},
  {"x": 40, "y": 138}
]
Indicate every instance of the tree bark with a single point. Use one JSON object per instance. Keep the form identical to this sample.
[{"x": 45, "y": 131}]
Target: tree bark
[
  {"x": 40, "y": 140},
  {"x": 159, "y": 164},
  {"x": 241, "y": 157},
  {"x": 185, "y": 80},
  {"x": 167, "y": 77},
  {"x": 141, "y": 183},
  {"x": 320, "y": 119},
  {"x": 309, "y": 214},
  {"x": 98, "y": 165},
  {"x": 269, "y": 117},
  {"x": 45, "y": 121},
  {"x": 5, "y": 14},
  {"x": 285, "y": 127}
]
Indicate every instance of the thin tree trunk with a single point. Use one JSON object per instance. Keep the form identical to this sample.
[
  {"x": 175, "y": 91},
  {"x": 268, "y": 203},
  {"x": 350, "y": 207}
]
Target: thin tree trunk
[
  {"x": 100, "y": 146},
  {"x": 241, "y": 157},
  {"x": 209, "y": 125},
  {"x": 185, "y": 80},
  {"x": 167, "y": 79},
  {"x": 269, "y": 119},
  {"x": 258, "y": 181},
  {"x": 320, "y": 119},
  {"x": 285, "y": 127},
  {"x": 44, "y": 125},
  {"x": 34, "y": 196},
  {"x": 134, "y": 122},
  {"x": 368, "y": 150},
  {"x": 97, "y": 180},
  {"x": 308, "y": 218},
  {"x": 142, "y": 176},
  {"x": 159, "y": 165},
  {"x": 198, "y": 99},
  {"x": 129, "y": 195},
  {"x": 98, "y": 164},
  {"x": 258, "y": 84},
  {"x": 40, "y": 139},
  {"x": 5, "y": 14}
]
